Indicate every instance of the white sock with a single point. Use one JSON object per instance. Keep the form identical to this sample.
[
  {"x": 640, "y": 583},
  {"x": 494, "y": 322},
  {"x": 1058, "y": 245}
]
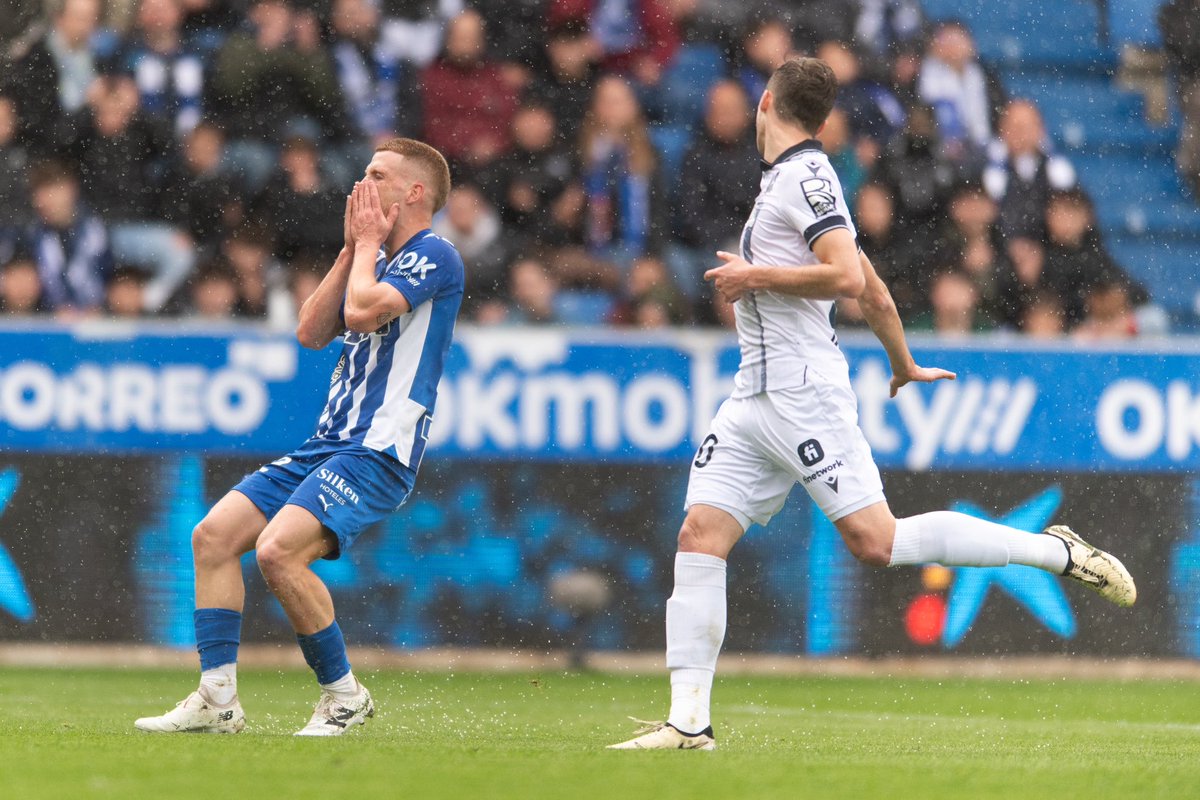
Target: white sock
[
  {"x": 220, "y": 683},
  {"x": 344, "y": 688},
  {"x": 695, "y": 631},
  {"x": 960, "y": 540}
]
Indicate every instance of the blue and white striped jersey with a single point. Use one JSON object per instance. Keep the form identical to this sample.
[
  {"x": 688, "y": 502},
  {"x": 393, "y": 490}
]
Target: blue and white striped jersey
[{"x": 384, "y": 387}]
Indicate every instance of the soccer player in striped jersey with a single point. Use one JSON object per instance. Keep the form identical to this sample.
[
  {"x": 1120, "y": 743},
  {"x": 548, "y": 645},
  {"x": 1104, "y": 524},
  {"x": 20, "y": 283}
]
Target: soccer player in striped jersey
[
  {"x": 392, "y": 295},
  {"x": 793, "y": 417}
]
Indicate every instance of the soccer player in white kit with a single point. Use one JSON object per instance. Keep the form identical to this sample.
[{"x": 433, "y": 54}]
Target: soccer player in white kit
[{"x": 793, "y": 418}]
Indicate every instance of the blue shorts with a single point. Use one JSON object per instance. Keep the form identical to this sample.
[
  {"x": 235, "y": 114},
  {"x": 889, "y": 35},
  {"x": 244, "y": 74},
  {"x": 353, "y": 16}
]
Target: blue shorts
[{"x": 346, "y": 486}]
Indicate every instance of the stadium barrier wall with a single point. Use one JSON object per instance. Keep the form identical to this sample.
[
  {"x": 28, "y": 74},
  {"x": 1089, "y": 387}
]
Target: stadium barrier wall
[{"x": 546, "y": 510}]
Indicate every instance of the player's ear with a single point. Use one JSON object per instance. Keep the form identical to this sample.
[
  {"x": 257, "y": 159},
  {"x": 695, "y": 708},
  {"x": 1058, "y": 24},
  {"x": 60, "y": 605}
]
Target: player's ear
[
  {"x": 764, "y": 102},
  {"x": 416, "y": 192}
]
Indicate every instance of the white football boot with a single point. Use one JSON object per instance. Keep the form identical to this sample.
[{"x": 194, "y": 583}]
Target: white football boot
[
  {"x": 334, "y": 717},
  {"x": 1101, "y": 572},
  {"x": 197, "y": 714},
  {"x": 664, "y": 736}
]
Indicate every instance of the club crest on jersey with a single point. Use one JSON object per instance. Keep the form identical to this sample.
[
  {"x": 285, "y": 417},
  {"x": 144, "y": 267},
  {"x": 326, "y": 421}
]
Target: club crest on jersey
[{"x": 819, "y": 194}]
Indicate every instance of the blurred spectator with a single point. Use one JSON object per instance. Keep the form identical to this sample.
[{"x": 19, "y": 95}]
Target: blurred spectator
[
  {"x": 51, "y": 76},
  {"x": 214, "y": 292},
  {"x": 14, "y": 170},
  {"x": 650, "y": 299},
  {"x": 1179, "y": 22},
  {"x": 529, "y": 182},
  {"x": 1022, "y": 282},
  {"x": 871, "y": 110},
  {"x": 1044, "y": 317},
  {"x": 306, "y": 276},
  {"x": 272, "y": 81},
  {"x": 379, "y": 86},
  {"x": 533, "y": 290},
  {"x": 916, "y": 170},
  {"x": 571, "y": 56},
  {"x": 473, "y": 225},
  {"x": 124, "y": 295},
  {"x": 954, "y": 306},
  {"x": 169, "y": 71},
  {"x": 1108, "y": 312},
  {"x": 122, "y": 155},
  {"x": 260, "y": 280},
  {"x": 413, "y": 28},
  {"x": 618, "y": 172},
  {"x": 468, "y": 106},
  {"x": 963, "y": 95},
  {"x": 972, "y": 232},
  {"x": 68, "y": 241},
  {"x": 303, "y": 210},
  {"x": 1021, "y": 173},
  {"x": 835, "y": 138},
  {"x": 198, "y": 196},
  {"x": 517, "y": 30},
  {"x": 20, "y": 287},
  {"x": 717, "y": 186},
  {"x": 886, "y": 26},
  {"x": 636, "y": 37},
  {"x": 899, "y": 257},
  {"x": 766, "y": 46}
]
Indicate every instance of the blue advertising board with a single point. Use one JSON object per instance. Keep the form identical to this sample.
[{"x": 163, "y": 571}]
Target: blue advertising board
[{"x": 554, "y": 394}]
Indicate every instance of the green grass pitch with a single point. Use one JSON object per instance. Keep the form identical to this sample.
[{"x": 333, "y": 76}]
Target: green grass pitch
[{"x": 67, "y": 733}]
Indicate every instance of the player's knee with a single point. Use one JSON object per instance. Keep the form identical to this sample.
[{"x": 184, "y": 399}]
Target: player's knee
[
  {"x": 870, "y": 547},
  {"x": 691, "y": 537},
  {"x": 209, "y": 545},
  {"x": 273, "y": 559}
]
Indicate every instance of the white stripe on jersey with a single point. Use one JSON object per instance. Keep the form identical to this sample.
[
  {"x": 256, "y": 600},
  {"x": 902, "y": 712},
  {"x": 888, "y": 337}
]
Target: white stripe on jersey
[{"x": 395, "y": 419}]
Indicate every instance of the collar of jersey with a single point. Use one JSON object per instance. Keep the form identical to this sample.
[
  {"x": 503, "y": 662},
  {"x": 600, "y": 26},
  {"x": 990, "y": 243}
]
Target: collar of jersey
[
  {"x": 419, "y": 234},
  {"x": 807, "y": 144}
]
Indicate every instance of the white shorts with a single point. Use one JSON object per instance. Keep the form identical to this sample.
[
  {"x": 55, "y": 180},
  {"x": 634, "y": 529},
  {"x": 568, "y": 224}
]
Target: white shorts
[{"x": 759, "y": 447}]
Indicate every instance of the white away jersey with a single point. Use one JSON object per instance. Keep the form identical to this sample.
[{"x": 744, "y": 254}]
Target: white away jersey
[
  {"x": 783, "y": 336},
  {"x": 384, "y": 387}
]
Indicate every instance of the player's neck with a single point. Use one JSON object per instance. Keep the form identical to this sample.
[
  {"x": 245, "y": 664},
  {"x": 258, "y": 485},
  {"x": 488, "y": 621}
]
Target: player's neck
[
  {"x": 405, "y": 230},
  {"x": 780, "y": 137}
]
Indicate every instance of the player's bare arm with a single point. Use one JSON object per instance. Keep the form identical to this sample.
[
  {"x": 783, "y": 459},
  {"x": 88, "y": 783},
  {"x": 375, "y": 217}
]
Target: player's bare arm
[
  {"x": 369, "y": 302},
  {"x": 319, "y": 318},
  {"x": 879, "y": 310},
  {"x": 838, "y": 275}
]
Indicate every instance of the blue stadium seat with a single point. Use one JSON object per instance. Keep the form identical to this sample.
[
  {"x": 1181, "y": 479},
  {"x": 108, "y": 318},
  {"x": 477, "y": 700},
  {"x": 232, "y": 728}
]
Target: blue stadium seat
[
  {"x": 1166, "y": 267},
  {"x": 686, "y": 83},
  {"x": 1135, "y": 22}
]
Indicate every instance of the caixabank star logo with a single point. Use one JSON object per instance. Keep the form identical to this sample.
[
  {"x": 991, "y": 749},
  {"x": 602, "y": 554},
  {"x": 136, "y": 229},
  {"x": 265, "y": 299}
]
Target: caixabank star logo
[
  {"x": 14, "y": 597},
  {"x": 952, "y": 598}
]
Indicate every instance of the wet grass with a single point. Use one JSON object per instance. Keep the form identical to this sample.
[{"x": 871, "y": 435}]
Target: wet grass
[{"x": 68, "y": 734}]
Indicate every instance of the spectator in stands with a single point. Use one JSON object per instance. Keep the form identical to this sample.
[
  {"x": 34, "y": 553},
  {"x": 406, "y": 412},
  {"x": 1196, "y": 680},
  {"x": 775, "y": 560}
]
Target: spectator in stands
[
  {"x": 1044, "y": 317},
  {"x": 849, "y": 161},
  {"x": 379, "y": 85},
  {"x": 50, "y": 78},
  {"x": 973, "y": 233},
  {"x": 649, "y": 298},
  {"x": 636, "y": 37},
  {"x": 963, "y": 95},
  {"x": 169, "y": 70},
  {"x": 1024, "y": 279},
  {"x": 123, "y": 153},
  {"x": 916, "y": 170},
  {"x": 871, "y": 110},
  {"x": 413, "y": 28},
  {"x": 198, "y": 195},
  {"x": 1179, "y": 21},
  {"x": 530, "y": 181},
  {"x": 272, "y": 81},
  {"x": 124, "y": 294},
  {"x": 766, "y": 46},
  {"x": 468, "y": 106},
  {"x": 899, "y": 256},
  {"x": 69, "y": 242},
  {"x": 306, "y": 275},
  {"x": 571, "y": 58},
  {"x": 473, "y": 224},
  {"x": 20, "y": 287},
  {"x": 260, "y": 280},
  {"x": 618, "y": 173},
  {"x": 1109, "y": 312},
  {"x": 717, "y": 186},
  {"x": 1021, "y": 172},
  {"x": 214, "y": 292},
  {"x": 887, "y": 26},
  {"x": 954, "y": 306},
  {"x": 300, "y": 205},
  {"x": 14, "y": 170},
  {"x": 533, "y": 290}
]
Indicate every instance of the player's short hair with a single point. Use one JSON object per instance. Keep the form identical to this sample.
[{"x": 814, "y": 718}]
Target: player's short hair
[
  {"x": 804, "y": 90},
  {"x": 430, "y": 160}
]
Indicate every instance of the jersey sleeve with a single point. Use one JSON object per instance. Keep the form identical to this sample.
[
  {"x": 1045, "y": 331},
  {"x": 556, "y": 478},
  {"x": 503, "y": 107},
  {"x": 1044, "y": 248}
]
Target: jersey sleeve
[
  {"x": 423, "y": 273},
  {"x": 813, "y": 203}
]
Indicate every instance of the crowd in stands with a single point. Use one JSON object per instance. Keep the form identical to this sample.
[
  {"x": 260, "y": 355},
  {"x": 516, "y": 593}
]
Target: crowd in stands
[{"x": 192, "y": 158}]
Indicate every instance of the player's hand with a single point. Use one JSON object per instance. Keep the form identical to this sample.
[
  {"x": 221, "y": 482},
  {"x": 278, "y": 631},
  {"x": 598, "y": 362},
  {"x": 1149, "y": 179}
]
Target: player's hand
[
  {"x": 368, "y": 222},
  {"x": 920, "y": 375},
  {"x": 731, "y": 279}
]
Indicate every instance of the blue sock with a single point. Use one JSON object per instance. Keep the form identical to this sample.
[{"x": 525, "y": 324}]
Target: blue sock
[
  {"x": 218, "y": 632},
  {"x": 325, "y": 652}
]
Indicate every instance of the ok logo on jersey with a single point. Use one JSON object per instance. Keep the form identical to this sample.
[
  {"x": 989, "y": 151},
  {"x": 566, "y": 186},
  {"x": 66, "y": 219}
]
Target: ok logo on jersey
[{"x": 416, "y": 266}]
